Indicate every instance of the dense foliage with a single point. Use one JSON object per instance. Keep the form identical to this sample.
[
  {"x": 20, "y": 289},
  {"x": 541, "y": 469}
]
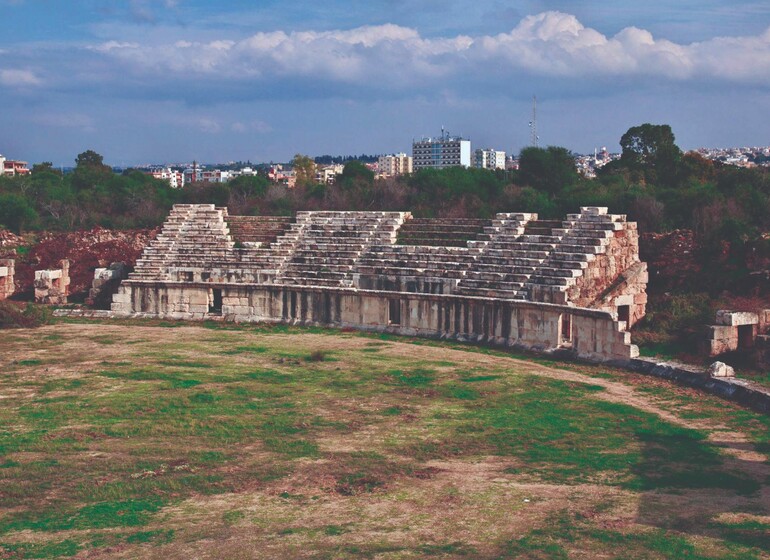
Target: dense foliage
[{"x": 653, "y": 182}]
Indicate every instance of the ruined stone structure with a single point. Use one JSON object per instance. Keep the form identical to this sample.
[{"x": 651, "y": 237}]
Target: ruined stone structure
[
  {"x": 736, "y": 330},
  {"x": 106, "y": 280},
  {"x": 574, "y": 285},
  {"x": 741, "y": 331},
  {"x": 52, "y": 286},
  {"x": 7, "y": 268}
]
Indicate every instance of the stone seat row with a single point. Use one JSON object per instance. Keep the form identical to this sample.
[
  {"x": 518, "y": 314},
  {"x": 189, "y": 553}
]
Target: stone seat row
[{"x": 410, "y": 272}]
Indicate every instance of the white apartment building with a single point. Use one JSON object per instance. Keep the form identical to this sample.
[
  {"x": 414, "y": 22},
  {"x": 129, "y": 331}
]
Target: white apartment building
[
  {"x": 398, "y": 164},
  {"x": 174, "y": 178},
  {"x": 489, "y": 159},
  {"x": 438, "y": 153}
]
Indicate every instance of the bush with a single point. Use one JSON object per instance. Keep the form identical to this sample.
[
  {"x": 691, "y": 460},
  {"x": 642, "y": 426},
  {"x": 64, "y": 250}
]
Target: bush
[
  {"x": 316, "y": 356},
  {"x": 13, "y": 316}
]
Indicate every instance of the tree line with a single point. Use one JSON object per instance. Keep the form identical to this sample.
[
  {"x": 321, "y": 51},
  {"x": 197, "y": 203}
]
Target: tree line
[{"x": 654, "y": 182}]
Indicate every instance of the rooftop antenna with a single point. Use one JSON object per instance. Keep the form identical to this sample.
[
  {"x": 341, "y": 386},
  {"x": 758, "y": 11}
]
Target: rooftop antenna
[{"x": 533, "y": 124}]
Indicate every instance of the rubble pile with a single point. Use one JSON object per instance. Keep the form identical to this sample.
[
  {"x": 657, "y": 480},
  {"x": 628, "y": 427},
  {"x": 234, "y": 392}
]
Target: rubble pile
[
  {"x": 9, "y": 241},
  {"x": 86, "y": 251},
  {"x": 671, "y": 258}
]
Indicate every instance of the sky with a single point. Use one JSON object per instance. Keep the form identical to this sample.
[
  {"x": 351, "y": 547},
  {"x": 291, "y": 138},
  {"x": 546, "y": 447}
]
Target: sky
[{"x": 154, "y": 81}]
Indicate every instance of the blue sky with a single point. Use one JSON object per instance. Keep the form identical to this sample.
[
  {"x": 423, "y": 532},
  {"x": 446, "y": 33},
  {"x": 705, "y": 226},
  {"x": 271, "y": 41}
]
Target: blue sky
[{"x": 174, "y": 80}]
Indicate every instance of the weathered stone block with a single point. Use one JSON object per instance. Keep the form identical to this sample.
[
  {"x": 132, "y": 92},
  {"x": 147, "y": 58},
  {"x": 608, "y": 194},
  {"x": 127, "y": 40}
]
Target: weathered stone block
[
  {"x": 722, "y": 332},
  {"x": 720, "y": 369},
  {"x": 721, "y": 346},
  {"x": 736, "y": 318}
]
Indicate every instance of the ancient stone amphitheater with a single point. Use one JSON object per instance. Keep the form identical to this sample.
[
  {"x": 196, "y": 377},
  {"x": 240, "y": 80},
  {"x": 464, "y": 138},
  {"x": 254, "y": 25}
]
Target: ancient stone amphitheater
[{"x": 574, "y": 286}]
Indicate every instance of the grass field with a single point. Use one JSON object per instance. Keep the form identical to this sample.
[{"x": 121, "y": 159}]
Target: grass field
[{"x": 142, "y": 440}]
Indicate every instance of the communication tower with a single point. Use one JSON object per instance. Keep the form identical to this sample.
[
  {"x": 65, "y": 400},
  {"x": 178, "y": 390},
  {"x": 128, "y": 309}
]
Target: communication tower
[{"x": 534, "y": 138}]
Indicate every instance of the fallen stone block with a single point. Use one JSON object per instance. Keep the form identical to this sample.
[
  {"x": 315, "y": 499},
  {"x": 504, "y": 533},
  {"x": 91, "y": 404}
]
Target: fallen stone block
[{"x": 720, "y": 369}]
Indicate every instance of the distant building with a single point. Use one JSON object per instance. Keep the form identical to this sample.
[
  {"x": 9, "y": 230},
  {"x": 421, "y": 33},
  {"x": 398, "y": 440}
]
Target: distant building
[
  {"x": 438, "y": 153},
  {"x": 196, "y": 174},
  {"x": 277, "y": 174},
  {"x": 398, "y": 164},
  {"x": 11, "y": 167},
  {"x": 489, "y": 159},
  {"x": 174, "y": 178},
  {"x": 327, "y": 175}
]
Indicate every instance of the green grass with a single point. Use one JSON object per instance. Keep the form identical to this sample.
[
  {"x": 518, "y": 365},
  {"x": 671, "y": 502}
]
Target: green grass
[{"x": 110, "y": 454}]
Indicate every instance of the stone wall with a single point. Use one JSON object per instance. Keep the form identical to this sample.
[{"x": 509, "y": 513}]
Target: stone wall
[
  {"x": 52, "y": 286},
  {"x": 588, "y": 334},
  {"x": 7, "y": 287}
]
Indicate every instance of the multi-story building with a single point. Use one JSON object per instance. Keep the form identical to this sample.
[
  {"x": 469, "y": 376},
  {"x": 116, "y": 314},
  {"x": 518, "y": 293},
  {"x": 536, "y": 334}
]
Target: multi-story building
[
  {"x": 398, "y": 164},
  {"x": 197, "y": 174},
  {"x": 327, "y": 174},
  {"x": 489, "y": 159},
  {"x": 10, "y": 167},
  {"x": 438, "y": 153},
  {"x": 174, "y": 178}
]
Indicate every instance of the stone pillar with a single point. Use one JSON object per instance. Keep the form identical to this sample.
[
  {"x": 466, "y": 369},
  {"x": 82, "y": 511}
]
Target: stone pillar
[
  {"x": 7, "y": 269},
  {"x": 52, "y": 286}
]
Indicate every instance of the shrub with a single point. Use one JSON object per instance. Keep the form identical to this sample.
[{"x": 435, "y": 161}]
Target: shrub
[
  {"x": 316, "y": 356},
  {"x": 13, "y": 316}
]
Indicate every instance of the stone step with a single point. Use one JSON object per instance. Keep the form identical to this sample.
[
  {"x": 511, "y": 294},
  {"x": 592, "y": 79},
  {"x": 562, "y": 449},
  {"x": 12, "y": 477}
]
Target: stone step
[{"x": 501, "y": 277}]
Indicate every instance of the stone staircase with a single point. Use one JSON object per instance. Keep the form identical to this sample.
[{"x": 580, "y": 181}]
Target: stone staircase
[
  {"x": 257, "y": 231},
  {"x": 507, "y": 254},
  {"x": 413, "y": 268},
  {"x": 586, "y": 235},
  {"x": 330, "y": 244},
  {"x": 192, "y": 234},
  {"x": 516, "y": 256}
]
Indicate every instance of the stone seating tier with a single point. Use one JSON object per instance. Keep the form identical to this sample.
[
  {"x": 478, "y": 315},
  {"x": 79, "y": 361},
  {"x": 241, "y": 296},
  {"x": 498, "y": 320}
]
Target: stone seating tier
[
  {"x": 515, "y": 255},
  {"x": 410, "y": 272},
  {"x": 439, "y": 232}
]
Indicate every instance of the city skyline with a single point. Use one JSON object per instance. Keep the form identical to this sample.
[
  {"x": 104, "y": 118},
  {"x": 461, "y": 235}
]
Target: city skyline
[{"x": 173, "y": 80}]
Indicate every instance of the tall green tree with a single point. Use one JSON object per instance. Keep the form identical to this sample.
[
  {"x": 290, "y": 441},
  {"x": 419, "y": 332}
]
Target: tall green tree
[
  {"x": 15, "y": 212},
  {"x": 550, "y": 169},
  {"x": 355, "y": 175},
  {"x": 90, "y": 170},
  {"x": 45, "y": 167},
  {"x": 304, "y": 170},
  {"x": 652, "y": 148}
]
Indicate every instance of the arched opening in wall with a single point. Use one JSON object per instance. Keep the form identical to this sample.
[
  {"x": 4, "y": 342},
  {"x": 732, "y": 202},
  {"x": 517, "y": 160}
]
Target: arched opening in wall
[
  {"x": 565, "y": 329},
  {"x": 215, "y": 301},
  {"x": 624, "y": 314}
]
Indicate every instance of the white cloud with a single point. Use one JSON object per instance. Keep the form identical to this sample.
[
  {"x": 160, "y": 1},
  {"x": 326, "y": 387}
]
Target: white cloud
[
  {"x": 549, "y": 44},
  {"x": 112, "y": 45},
  {"x": 19, "y": 78}
]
